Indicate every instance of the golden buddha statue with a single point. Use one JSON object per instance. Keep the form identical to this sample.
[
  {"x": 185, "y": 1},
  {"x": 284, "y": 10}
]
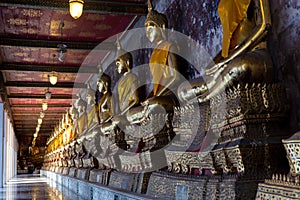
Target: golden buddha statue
[
  {"x": 82, "y": 118},
  {"x": 164, "y": 66},
  {"x": 244, "y": 57},
  {"x": 74, "y": 114},
  {"x": 163, "y": 61},
  {"x": 127, "y": 86},
  {"x": 91, "y": 108},
  {"x": 104, "y": 109}
]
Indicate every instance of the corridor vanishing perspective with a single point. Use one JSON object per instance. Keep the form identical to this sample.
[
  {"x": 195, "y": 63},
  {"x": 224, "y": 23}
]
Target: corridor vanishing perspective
[{"x": 149, "y": 99}]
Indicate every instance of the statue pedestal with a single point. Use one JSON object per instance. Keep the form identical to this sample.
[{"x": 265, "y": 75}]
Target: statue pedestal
[
  {"x": 99, "y": 176},
  {"x": 284, "y": 186},
  {"x": 245, "y": 127},
  {"x": 134, "y": 182},
  {"x": 73, "y": 172},
  {"x": 83, "y": 173},
  {"x": 65, "y": 171}
]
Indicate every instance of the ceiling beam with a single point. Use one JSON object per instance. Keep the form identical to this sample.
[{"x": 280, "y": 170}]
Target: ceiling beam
[
  {"x": 30, "y": 134},
  {"x": 30, "y": 128},
  {"x": 34, "y": 118},
  {"x": 38, "y": 96},
  {"x": 48, "y": 112},
  {"x": 44, "y": 84},
  {"x": 38, "y": 43},
  {"x": 47, "y": 68},
  {"x": 39, "y": 105},
  {"x": 100, "y": 7},
  {"x": 34, "y": 122}
]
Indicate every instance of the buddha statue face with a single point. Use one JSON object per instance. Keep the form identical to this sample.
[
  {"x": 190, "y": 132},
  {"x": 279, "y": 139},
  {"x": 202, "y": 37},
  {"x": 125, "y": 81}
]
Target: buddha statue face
[
  {"x": 103, "y": 84},
  {"x": 100, "y": 86},
  {"x": 153, "y": 32},
  {"x": 122, "y": 66}
]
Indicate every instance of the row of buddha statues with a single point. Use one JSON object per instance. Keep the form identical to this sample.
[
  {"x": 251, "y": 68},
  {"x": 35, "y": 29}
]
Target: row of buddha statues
[{"x": 244, "y": 59}]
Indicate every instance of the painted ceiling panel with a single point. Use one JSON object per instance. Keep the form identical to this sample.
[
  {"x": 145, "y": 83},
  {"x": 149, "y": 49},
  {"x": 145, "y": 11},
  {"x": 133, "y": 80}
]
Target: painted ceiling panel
[
  {"x": 43, "y": 76},
  {"x": 59, "y": 91},
  {"x": 15, "y": 101},
  {"x": 58, "y": 24},
  {"x": 50, "y": 56}
]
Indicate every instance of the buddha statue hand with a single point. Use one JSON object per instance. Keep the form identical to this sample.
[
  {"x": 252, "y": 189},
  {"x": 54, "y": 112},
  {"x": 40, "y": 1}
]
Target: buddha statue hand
[
  {"x": 189, "y": 91},
  {"x": 107, "y": 127},
  {"x": 119, "y": 119},
  {"x": 137, "y": 114}
]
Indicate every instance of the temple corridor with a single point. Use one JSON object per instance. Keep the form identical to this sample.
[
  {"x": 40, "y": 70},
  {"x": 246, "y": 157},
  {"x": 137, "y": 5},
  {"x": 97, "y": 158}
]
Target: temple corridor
[{"x": 149, "y": 99}]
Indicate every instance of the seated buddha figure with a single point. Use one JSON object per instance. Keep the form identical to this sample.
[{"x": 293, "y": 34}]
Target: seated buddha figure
[
  {"x": 244, "y": 57},
  {"x": 74, "y": 114},
  {"x": 127, "y": 86},
  {"x": 127, "y": 94},
  {"x": 164, "y": 66},
  {"x": 82, "y": 118},
  {"x": 104, "y": 109},
  {"x": 163, "y": 61},
  {"x": 91, "y": 108}
]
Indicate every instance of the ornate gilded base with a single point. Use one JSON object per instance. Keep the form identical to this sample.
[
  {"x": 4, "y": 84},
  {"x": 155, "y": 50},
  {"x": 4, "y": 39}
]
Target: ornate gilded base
[
  {"x": 65, "y": 171},
  {"x": 134, "y": 182},
  {"x": 171, "y": 186},
  {"x": 83, "y": 173},
  {"x": 99, "y": 176},
  {"x": 73, "y": 172},
  {"x": 279, "y": 187}
]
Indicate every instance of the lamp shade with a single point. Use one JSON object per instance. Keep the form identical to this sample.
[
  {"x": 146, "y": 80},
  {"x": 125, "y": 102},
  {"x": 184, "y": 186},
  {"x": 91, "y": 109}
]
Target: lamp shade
[
  {"x": 44, "y": 106},
  {"x": 53, "y": 78},
  {"x": 40, "y": 120},
  {"x": 76, "y": 7}
]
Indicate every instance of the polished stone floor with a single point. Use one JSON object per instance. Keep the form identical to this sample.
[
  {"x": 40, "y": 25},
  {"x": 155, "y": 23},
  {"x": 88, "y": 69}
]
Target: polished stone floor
[{"x": 30, "y": 186}]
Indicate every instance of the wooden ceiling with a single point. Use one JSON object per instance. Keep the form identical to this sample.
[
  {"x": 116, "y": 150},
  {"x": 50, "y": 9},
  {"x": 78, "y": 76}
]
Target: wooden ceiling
[{"x": 30, "y": 32}]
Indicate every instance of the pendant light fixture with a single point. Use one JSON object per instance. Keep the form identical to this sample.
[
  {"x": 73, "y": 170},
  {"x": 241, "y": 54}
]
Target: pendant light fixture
[
  {"x": 53, "y": 77},
  {"x": 76, "y": 7},
  {"x": 44, "y": 105}
]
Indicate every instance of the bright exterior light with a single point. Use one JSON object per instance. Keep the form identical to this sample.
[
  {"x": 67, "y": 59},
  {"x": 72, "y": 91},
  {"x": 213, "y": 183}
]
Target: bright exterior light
[
  {"x": 42, "y": 114},
  {"x": 44, "y": 106},
  {"x": 76, "y": 7},
  {"x": 37, "y": 129},
  {"x": 53, "y": 78},
  {"x": 35, "y": 134},
  {"x": 40, "y": 120}
]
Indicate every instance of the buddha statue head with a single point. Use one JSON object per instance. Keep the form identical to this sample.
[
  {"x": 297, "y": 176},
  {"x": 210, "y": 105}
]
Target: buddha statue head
[
  {"x": 123, "y": 60},
  {"x": 90, "y": 95},
  {"x": 81, "y": 105},
  {"x": 104, "y": 84},
  {"x": 155, "y": 24}
]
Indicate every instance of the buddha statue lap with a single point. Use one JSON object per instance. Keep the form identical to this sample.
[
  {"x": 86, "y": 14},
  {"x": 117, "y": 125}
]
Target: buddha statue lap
[
  {"x": 71, "y": 155},
  {"x": 80, "y": 153},
  {"x": 244, "y": 58},
  {"x": 88, "y": 160}
]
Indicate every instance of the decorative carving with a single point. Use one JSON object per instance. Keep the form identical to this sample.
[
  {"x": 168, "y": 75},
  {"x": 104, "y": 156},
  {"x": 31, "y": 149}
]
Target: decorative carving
[{"x": 292, "y": 147}]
